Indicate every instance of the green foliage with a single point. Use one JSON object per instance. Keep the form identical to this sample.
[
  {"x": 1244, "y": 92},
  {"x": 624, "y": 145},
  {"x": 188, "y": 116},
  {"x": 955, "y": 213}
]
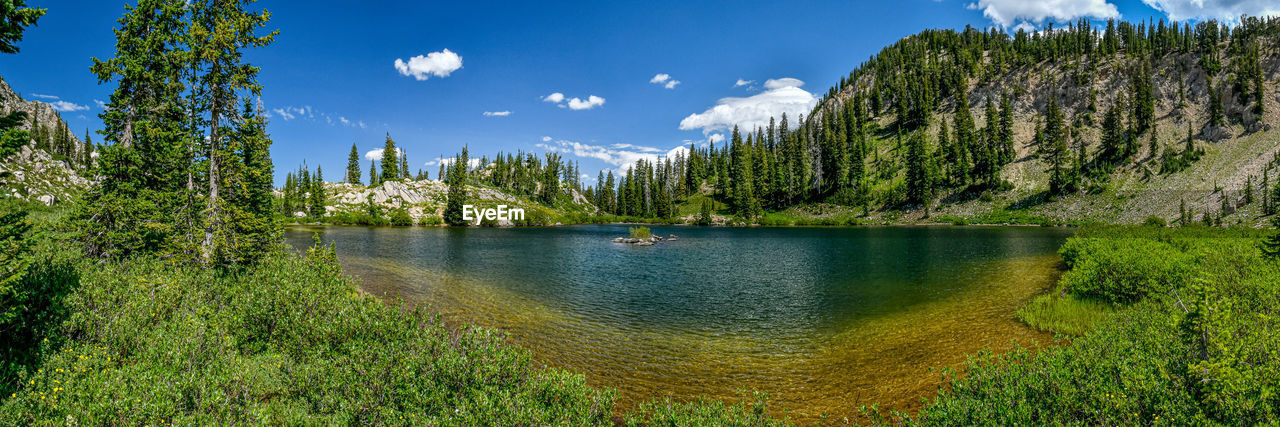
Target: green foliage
[
  {"x": 390, "y": 161},
  {"x": 457, "y": 196},
  {"x": 704, "y": 213},
  {"x": 640, "y": 232},
  {"x": 290, "y": 341},
  {"x": 401, "y": 217},
  {"x": 353, "y": 166},
  {"x": 1124, "y": 270},
  {"x": 15, "y": 17},
  {"x": 174, "y": 158},
  {"x": 1202, "y": 353}
]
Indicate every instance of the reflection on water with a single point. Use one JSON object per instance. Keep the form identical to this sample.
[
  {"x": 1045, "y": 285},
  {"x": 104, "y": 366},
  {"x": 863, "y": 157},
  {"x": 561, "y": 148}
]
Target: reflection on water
[{"x": 823, "y": 319}]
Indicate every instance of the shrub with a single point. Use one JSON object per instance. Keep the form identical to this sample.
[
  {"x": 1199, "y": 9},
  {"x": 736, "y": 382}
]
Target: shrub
[
  {"x": 401, "y": 217},
  {"x": 641, "y": 232},
  {"x": 1155, "y": 221},
  {"x": 1123, "y": 270}
]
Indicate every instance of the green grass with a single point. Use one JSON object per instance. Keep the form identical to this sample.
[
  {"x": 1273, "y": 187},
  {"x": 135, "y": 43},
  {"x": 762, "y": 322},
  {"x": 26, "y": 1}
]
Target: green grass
[{"x": 1063, "y": 314}]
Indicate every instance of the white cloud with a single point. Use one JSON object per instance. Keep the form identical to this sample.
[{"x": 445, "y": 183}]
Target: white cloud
[
  {"x": 100, "y": 104},
  {"x": 782, "y": 82},
  {"x": 344, "y": 121},
  {"x": 635, "y": 147},
  {"x": 1224, "y": 10},
  {"x": 782, "y": 96},
  {"x": 472, "y": 163},
  {"x": 591, "y": 102},
  {"x": 574, "y": 103},
  {"x": 43, "y": 96},
  {"x": 1008, "y": 13},
  {"x": 376, "y": 154},
  {"x": 546, "y": 139},
  {"x": 742, "y": 82},
  {"x": 291, "y": 112},
  {"x": 65, "y": 106},
  {"x": 620, "y": 156},
  {"x": 439, "y": 64},
  {"x": 503, "y": 113},
  {"x": 715, "y": 137},
  {"x": 665, "y": 80}
]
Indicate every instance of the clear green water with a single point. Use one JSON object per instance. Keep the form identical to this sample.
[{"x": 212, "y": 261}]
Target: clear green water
[{"x": 823, "y": 319}]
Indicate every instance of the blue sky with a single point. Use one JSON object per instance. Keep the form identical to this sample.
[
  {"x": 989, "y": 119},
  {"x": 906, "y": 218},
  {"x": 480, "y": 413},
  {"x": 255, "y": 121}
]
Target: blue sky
[{"x": 332, "y": 77}]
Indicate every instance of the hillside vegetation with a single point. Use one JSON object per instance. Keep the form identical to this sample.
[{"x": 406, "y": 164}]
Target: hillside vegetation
[{"x": 1068, "y": 125}]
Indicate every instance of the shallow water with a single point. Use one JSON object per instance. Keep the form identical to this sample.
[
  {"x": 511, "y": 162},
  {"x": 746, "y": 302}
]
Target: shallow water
[{"x": 822, "y": 319}]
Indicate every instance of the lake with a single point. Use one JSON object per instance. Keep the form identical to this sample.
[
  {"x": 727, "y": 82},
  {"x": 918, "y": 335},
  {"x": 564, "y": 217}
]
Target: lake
[{"x": 822, "y": 319}]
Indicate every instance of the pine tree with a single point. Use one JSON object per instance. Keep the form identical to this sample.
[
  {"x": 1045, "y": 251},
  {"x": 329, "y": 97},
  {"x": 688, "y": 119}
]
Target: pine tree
[
  {"x": 457, "y": 193},
  {"x": 1216, "y": 117},
  {"x": 404, "y": 165},
  {"x": 220, "y": 33},
  {"x": 390, "y": 166},
  {"x": 317, "y": 200},
  {"x": 1056, "y": 152},
  {"x": 146, "y": 160},
  {"x": 919, "y": 177},
  {"x": 373, "y": 174},
  {"x": 353, "y": 166}
]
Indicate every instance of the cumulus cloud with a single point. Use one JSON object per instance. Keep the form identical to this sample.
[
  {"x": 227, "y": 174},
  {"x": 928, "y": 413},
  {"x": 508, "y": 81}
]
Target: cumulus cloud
[
  {"x": 742, "y": 82},
  {"x": 546, "y": 139},
  {"x": 1008, "y": 13},
  {"x": 781, "y": 96},
  {"x": 100, "y": 104},
  {"x": 574, "y": 103},
  {"x": 591, "y": 102},
  {"x": 439, "y": 64},
  {"x": 1224, "y": 10},
  {"x": 665, "y": 80},
  {"x": 715, "y": 137},
  {"x": 376, "y": 154},
  {"x": 65, "y": 106},
  {"x": 503, "y": 113}
]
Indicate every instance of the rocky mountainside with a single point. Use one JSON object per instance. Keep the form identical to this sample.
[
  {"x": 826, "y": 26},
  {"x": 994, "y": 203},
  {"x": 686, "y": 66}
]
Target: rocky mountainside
[
  {"x": 1230, "y": 172},
  {"x": 424, "y": 200},
  {"x": 36, "y": 173}
]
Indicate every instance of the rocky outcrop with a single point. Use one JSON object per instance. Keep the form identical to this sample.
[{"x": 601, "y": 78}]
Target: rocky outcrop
[
  {"x": 34, "y": 175},
  {"x": 37, "y": 112},
  {"x": 426, "y": 198}
]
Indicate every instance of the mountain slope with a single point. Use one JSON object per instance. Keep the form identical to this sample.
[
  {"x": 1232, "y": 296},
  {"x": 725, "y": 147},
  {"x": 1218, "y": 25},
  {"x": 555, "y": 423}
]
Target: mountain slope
[
  {"x": 1085, "y": 84},
  {"x": 48, "y": 169}
]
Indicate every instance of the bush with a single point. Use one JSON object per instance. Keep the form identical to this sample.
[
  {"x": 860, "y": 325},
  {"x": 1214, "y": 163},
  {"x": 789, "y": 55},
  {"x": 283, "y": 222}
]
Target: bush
[
  {"x": 641, "y": 233},
  {"x": 1155, "y": 221},
  {"x": 290, "y": 342},
  {"x": 401, "y": 217},
  {"x": 1123, "y": 270}
]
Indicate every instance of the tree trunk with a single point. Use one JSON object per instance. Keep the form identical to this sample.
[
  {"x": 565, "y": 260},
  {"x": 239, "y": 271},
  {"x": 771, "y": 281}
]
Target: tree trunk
[{"x": 214, "y": 114}]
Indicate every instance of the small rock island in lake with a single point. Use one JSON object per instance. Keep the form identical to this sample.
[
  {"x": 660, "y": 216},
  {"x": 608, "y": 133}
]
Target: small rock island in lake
[{"x": 641, "y": 236}]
